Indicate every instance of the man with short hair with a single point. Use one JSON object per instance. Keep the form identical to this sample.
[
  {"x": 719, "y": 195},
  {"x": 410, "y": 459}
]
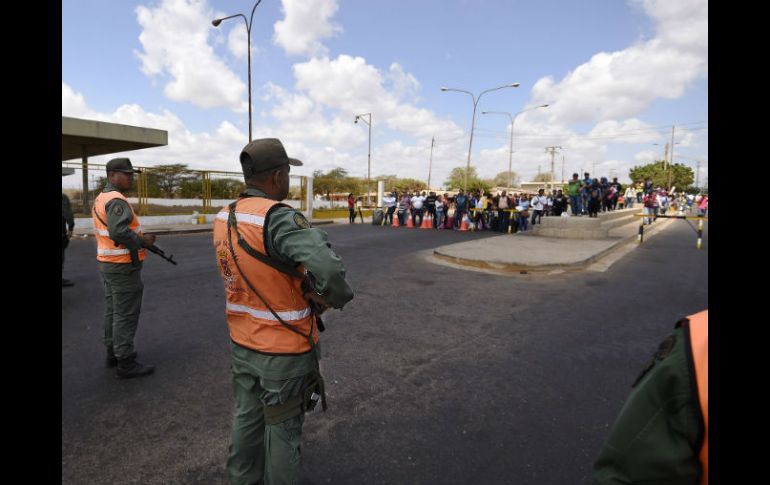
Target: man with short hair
[
  {"x": 279, "y": 275},
  {"x": 430, "y": 203},
  {"x": 461, "y": 207},
  {"x": 390, "y": 203},
  {"x": 417, "y": 202},
  {"x": 538, "y": 204},
  {"x": 573, "y": 191},
  {"x": 120, "y": 252}
]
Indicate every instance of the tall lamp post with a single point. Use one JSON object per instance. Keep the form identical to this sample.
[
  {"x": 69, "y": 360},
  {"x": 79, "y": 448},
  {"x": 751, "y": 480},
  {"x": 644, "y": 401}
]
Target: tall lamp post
[
  {"x": 512, "y": 118},
  {"x": 369, "y": 163},
  {"x": 473, "y": 119},
  {"x": 249, "y": 22}
]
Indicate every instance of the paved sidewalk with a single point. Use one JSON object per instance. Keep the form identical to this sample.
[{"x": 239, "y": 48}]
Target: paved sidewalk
[{"x": 525, "y": 252}]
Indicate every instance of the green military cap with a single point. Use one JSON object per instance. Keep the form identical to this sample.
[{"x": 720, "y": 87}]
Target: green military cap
[
  {"x": 265, "y": 154},
  {"x": 121, "y": 165}
]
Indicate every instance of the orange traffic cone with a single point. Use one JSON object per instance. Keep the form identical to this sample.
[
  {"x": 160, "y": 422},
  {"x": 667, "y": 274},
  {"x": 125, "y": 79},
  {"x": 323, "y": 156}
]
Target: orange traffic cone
[
  {"x": 395, "y": 221},
  {"x": 427, "y": 223},
  {"x": 463, "y": 225},
  {"x": 409, "y": 223}
]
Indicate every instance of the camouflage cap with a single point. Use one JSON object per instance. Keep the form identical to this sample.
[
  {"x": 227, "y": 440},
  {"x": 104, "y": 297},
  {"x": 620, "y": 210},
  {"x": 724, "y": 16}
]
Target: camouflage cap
[
  {"x": 265, "y": 154},
  {"x": 121, "y": 165}
]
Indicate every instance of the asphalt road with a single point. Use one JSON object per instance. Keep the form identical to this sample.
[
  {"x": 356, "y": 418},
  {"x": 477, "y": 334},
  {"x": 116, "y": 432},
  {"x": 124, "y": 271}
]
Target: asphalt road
[{"x": 434, "y": 374}]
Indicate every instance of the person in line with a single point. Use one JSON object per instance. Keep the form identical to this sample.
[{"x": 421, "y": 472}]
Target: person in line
[{"x": 390, "y": 205}]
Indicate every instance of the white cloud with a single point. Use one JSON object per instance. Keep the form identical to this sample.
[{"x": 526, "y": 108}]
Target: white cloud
[
  {"x": 73, "y": 104},
  {"x": 405, "y": 85},
  {"x": 210, "y": 151},
  {"x": 628, "y": 131},
  {"x": 306, "y": 23},
  {"x": 621, "y": 84},
  {"x": 236, "y": 41},
  {"x": 174, "y": 38}
]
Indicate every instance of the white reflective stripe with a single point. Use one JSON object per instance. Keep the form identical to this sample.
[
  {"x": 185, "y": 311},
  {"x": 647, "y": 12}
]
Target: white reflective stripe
[
  {"x": 102, "y": 232},
  {"x": 138, "y": 230},
  {"x": 112, "y": 252},
  {"x": 266, "y": 315},
  {"x": 243, "y": 217}
]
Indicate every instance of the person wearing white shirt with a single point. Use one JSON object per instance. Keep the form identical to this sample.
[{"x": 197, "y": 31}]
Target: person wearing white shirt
[
  {"x": 630, "y": 196},
  {"x": 538, "y": 204},
  {"x": 440, "y": 207},
  {"x": 417, "y": 208},
  {"x": 390, "y": 203}
]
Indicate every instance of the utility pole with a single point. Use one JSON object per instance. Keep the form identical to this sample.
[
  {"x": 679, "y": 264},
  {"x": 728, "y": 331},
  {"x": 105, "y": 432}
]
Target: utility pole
[
  {"x": 697, "y": 173},
  {"x": 552, "y": 151},
  {"x": 671, "y": 163},
  {"x": 562, "y": 169},
  {"x": 430, "y": 164}
]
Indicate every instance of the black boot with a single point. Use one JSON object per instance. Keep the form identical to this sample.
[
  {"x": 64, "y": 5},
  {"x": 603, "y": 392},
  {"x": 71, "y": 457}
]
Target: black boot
[
  {"x": 112, "y": 361},
  {"x": 129, "y": 367}
]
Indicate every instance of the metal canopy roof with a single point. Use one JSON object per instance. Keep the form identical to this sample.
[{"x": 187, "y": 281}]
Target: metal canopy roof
[{"x": 90, "y": 138}]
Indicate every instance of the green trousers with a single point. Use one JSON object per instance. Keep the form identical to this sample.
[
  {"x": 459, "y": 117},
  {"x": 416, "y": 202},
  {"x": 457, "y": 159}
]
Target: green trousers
[
  {"x": 262, "y": 453},
  {"x": 122, "y": 305}
]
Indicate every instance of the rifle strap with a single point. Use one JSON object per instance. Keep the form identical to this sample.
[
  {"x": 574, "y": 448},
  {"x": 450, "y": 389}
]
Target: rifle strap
[{"x": 232, "y": 225}]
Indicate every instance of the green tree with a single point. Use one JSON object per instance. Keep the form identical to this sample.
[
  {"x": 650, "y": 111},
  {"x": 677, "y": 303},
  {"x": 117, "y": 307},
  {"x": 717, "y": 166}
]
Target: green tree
[
  {"x": 456, "y": 179},
  {"x": 501, "y": 179},
  {"x": 331, "y": 182},
  {"x": 191, "y": 189},
  {"x": 681, "y": 175},
  {"x": 168, "y": 178},
  {"x": 226, "y": 188},
  {"x": 542, "y": 177},
  {"x": 409, "y": 185}
]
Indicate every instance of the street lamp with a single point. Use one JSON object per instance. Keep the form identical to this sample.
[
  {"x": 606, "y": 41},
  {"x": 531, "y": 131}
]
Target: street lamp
[
  {"x": 249, "y": 22},
  {"x": 369, "y": 165},
  {"x": 473, "y": 120},
  {"x": 512, "y": 118}
]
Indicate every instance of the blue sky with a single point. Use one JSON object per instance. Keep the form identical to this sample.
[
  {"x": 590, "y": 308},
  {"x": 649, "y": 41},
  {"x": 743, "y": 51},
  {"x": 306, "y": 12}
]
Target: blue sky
[{"x": 616, "y": 74}]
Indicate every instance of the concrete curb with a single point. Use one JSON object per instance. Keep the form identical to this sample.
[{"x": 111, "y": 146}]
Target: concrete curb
[{"x": 544, "y": 268}]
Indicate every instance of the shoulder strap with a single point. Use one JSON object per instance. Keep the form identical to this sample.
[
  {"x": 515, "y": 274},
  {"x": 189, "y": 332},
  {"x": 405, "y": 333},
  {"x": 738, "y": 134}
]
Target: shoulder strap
[{"x": 275, "y": 264}]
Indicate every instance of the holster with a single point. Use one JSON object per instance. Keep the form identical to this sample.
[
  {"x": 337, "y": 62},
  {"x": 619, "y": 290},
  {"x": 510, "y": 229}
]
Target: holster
[{"x": 306, "y": 400}]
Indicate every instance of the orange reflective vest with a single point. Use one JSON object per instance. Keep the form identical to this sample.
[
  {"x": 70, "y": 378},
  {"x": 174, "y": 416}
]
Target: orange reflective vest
[
  {"x": 249, "y": 319},
  {"x": 699, "y": 343},
  {"x": 106, "y": 251}
]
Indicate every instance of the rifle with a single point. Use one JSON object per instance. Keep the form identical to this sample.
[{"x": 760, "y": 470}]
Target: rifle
[{"x": 155, "y": 249}]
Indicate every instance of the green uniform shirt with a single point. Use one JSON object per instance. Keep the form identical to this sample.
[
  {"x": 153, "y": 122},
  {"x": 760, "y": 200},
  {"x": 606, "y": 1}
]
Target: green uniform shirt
[
  {"x": 119, "y": 216},
  {"x": 291, "y": 240},
  {"x": 656, "y": 438}
]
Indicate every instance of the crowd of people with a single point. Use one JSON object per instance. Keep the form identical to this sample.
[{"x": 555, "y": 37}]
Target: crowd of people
[{"x": 518, "y": 211}]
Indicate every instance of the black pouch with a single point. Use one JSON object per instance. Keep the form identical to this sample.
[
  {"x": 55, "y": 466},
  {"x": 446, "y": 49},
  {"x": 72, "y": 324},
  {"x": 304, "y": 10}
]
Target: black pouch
[{"x": 311, "y": 394}]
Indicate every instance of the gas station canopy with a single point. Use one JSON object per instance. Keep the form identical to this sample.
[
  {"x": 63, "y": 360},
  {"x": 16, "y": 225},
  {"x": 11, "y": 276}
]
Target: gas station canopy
[{"x": 87, "y": 138}]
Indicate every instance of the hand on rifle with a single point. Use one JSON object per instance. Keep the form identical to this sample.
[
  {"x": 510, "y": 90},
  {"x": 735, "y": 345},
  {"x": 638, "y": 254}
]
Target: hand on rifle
[
  {"x": 321, "y": 304},
  {"x": 148, "y": 240}
]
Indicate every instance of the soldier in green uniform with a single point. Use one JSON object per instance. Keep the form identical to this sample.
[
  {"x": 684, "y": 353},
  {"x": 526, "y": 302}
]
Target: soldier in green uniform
[
  {"x": 120, "y": 252},
  {"x": 661, "y": 434},
  {"x": 67, "y": 225},
  {"x": 275, "y": 368}
]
